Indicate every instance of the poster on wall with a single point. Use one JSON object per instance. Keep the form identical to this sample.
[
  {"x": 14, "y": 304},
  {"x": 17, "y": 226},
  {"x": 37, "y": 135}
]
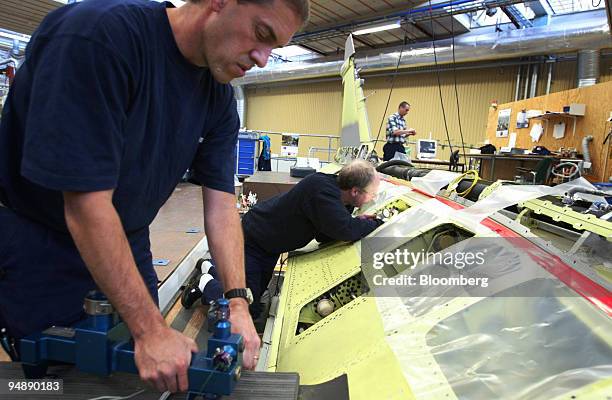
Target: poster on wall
[
  {"x": 521, "y": 120},
  {"x": 503, "y": 122},
  {"x": 289, "y": 145}
]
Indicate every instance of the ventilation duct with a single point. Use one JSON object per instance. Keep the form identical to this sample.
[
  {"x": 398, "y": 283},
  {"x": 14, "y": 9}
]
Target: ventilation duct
[
  {"x": 565, "y": 33},
  {"x": 588, "y": 67}
]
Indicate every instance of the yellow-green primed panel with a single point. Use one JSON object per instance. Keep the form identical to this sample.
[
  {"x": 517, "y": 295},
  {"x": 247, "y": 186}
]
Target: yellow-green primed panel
[
  {"x": 595, "y": 391},
  {"x": 336, "y": 348},
  {"x": 354, "y": 110},
  {"x": 380, "y": 346},
  {"x": 577, "y": 220},
  {"x": 331, "y": 168}
]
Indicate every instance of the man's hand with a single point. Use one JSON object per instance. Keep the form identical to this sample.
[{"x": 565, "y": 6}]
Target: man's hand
[
  {"x": 243, "y": 324},
  {"x": 367, "y": 216},
  {"x": 411, "y": 132},
  {"x": 162, "y": 357}
]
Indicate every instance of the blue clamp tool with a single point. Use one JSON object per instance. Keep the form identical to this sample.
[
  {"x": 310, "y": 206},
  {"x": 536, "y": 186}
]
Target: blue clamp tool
[{"x": 101, "y": 344}]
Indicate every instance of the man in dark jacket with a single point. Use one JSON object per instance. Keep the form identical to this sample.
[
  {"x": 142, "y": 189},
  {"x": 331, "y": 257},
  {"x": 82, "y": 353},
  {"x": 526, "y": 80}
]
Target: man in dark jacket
[{"x": 318, "y": 207}]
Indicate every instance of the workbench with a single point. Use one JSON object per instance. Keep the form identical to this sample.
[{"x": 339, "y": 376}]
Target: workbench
[
  {"x": 267, "y": 184},
  {"x": 503, "y": 166}
]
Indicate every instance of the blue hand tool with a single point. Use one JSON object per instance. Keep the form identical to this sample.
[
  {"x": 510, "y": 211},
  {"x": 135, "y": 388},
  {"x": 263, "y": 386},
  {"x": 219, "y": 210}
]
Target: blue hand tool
[{"x": 101, "y": 344}]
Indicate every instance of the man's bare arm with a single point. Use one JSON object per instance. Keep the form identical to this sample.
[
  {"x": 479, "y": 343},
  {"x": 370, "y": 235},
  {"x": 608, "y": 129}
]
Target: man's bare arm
[
  {"x": 225, "y": 239},
  {"x": 404, "y": 132},
  {"x": 162, "y": 354}
]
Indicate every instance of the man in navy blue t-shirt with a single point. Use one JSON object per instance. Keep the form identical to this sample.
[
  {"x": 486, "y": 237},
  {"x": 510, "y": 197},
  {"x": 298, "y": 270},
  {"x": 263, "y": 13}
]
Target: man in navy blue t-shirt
[{"x": 115, "y": 100}]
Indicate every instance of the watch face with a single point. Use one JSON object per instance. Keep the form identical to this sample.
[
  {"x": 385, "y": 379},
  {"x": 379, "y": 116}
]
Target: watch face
[{"x": 249, "y": 295}]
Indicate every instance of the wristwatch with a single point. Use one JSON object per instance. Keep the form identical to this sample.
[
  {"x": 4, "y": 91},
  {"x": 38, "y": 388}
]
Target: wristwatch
[{"x": 244, "y": 293}]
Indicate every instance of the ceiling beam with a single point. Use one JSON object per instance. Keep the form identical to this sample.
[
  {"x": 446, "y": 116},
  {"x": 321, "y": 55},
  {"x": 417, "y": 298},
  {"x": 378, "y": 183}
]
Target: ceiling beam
[
  {"x": 517, "y": 17},
  {"x": 412, "y": 15},
  {"x": 310, "y": 48}
]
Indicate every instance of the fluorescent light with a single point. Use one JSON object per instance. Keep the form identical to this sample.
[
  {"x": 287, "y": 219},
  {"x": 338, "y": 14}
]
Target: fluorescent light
[
  {"x": 378, "y": 28},
  {"x": 291, "y": 51}
]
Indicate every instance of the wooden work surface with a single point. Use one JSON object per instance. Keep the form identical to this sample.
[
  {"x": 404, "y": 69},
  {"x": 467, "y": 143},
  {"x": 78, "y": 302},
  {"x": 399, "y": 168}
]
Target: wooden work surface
[
  {"x": 267, "y": 184},
  {"x": 272, "y": 177},
  {"x": 598, "y": 101},
  {"x": 531, "y": 157},
  {"x": 504, "y": 166},
  {"x": 80, "y": 386},
  {"x": 169, "y": 238}
]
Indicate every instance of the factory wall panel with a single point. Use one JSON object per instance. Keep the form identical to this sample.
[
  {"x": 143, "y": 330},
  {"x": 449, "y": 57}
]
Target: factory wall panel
[
  {"x": 596, "y": 98},
  {"x": 312, "y": 108},
  {"x": 315, "y": 108},
  {"x": 475, "y": 88},
  {"x": 564, "y": 77}
]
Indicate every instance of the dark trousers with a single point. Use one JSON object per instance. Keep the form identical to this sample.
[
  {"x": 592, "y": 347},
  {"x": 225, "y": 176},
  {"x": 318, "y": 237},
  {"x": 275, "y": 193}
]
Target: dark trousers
[
  {"x": 263, "y": 164},
  {"x": 43, "y": 279},
  {"x": 259, "y": 266},
  {"x": 390, "y": 149}
]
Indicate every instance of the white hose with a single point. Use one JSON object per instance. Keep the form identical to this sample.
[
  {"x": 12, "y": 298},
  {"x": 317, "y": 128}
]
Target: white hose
[
  {"x": 566, "y": 164},
  {"x": 585, "y": 148}
]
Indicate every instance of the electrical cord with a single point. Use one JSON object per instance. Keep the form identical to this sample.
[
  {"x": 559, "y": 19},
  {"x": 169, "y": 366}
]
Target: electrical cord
[
  {"x": 454, "y": 184},
  {"x": 433, "y": 42},
  {"x": 282, "y": 263},
  {"x": 118, "y": 397},
  {"x": 455, "y": 83},
  {"x": 391, "y": 89}
]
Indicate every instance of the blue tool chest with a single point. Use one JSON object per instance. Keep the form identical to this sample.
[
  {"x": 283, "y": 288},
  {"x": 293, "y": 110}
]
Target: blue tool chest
[{"x": 246, "y": 153}]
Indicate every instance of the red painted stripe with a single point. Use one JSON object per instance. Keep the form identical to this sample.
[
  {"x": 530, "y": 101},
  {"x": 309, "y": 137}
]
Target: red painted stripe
[{"x": 591, "y": 291}]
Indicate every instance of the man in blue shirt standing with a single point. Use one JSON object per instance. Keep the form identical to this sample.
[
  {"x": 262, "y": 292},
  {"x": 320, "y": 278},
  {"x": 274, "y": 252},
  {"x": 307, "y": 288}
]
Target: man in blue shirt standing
[
  {"x": 115, "y": 100},
  {"x": 397, "y": 132}
]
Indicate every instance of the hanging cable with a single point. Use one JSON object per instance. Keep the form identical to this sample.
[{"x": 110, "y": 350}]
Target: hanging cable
[
  {"x": 391, "y": 89},
  {"x": 278, "y": 276},
  {"x": 433, "y": 42},
  {"x": 455, "y": 82}
]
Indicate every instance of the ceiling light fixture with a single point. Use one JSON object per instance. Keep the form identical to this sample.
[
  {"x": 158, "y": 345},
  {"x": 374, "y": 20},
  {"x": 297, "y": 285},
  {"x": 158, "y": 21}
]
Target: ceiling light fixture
[{"x": 378, "y": 28}]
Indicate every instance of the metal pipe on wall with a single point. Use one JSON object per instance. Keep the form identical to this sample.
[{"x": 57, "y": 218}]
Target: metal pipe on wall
[
  {"x": 534, "y": 81},
  {"x": 518, "y": 83},
  {"x": 549, "y": 81},
  {"x": 527, "y": 76}
]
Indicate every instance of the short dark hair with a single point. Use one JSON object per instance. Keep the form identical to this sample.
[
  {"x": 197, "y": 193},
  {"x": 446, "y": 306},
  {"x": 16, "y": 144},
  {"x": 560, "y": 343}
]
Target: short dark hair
[
  {"x": 359, "y": 174},
  {"x": 300, "y": 7},
  {"x": 404, "y": 104}
]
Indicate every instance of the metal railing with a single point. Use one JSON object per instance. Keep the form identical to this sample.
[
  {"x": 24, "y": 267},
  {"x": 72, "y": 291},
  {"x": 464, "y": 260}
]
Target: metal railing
[{"x": 330, "y": 150}]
